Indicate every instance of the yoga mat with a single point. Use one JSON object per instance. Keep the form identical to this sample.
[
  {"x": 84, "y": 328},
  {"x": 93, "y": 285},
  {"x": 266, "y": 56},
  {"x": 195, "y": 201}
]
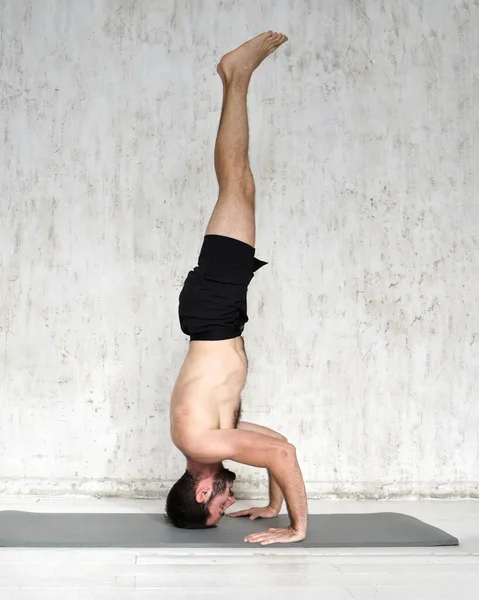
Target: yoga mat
[{"x": 90, "y": 530}]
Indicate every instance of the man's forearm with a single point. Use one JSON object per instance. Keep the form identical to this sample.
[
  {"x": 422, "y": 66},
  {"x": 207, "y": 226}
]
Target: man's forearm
[
  {"x": 285, "y": 469},
  {"x": 276, "y": 496}
]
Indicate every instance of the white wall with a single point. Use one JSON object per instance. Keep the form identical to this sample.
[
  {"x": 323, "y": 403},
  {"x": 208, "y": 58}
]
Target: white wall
[{"x": 364, "y": 330}]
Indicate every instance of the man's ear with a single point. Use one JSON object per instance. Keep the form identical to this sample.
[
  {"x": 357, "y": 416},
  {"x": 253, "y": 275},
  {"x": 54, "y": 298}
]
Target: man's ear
[{"x": 203, "y": 490}]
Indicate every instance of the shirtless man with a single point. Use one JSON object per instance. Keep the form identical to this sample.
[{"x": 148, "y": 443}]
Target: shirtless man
[{"x": 205, "y": 405}]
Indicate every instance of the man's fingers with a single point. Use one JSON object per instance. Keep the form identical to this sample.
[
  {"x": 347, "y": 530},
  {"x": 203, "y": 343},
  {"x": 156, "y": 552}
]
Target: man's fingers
[
  {"x": 272, "y": 536},
  {"x": 261, "y": 538},
  {"x": 271, "y": 540},
  {"x": 266, "y": 538},
  {"x": 253, "y": 537},
  {"x": 239, "y": 513},
  {"x": 256, "y": 537}
]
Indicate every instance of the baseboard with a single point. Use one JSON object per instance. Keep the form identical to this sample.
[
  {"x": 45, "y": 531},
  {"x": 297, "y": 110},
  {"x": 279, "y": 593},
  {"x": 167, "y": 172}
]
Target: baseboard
[{"x": 148, "y": 488}]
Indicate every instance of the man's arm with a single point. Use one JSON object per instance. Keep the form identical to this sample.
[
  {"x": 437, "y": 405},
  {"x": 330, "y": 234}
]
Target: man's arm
[
  {"x": 258, "y": 450},
  {"x": 276, "y": 496}
]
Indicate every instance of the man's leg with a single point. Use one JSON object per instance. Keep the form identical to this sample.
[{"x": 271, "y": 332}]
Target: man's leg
[{"x": 234, "y": 213}]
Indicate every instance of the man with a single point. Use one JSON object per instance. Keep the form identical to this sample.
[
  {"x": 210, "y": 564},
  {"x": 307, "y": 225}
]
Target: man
[{"x": 205, "y": 405}]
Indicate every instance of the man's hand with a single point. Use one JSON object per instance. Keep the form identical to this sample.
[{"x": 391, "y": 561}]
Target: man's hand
[
  {"x": 260, "y": 512},
  {"x": 275, "y": 536}
]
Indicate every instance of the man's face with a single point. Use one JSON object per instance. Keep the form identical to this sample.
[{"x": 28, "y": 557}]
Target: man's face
[{"x": 221, "y": 496}]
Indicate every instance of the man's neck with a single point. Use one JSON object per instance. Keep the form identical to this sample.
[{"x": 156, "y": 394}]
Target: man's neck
[{"x": 200, "y": 469}]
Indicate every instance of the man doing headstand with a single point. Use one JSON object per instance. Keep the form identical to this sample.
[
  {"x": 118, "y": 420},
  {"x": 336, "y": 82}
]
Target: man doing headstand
[{"x": 205, "y": 404}]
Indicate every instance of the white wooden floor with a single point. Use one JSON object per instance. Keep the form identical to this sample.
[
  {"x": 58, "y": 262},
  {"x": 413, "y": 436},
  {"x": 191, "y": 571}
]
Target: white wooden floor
[{"x": 249, "y": 573}]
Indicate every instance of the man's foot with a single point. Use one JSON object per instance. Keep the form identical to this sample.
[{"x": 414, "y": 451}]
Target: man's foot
[{"x": 245, "y": 59}]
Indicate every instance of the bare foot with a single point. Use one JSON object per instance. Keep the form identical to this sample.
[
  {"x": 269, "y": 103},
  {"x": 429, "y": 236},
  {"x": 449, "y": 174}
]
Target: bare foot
[{"x": 245, "y": 59}]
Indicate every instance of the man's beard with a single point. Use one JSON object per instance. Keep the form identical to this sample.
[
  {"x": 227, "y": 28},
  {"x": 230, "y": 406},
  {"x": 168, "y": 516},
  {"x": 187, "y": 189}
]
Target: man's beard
[{"x": 220, "y": 482}]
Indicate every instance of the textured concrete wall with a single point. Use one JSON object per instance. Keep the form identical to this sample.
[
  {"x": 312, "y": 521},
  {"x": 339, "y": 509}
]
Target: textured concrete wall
[{"x": 364, "y": 330}]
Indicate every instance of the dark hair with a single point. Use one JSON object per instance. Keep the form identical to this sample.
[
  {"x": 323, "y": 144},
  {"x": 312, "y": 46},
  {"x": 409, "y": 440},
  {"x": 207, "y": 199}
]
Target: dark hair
[{"x": 182, "y": 508}]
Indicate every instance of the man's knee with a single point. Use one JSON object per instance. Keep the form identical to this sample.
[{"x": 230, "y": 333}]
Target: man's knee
[
  {"x": 239, "y": 186},
  {"x": 249, "y": 187},
  {"x": 247, "y": 192}
]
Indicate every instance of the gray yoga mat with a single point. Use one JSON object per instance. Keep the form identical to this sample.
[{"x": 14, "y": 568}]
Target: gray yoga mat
[{"x": 88, "y": 530}]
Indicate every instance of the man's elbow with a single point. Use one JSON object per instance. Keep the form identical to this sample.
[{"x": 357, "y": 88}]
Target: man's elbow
[
  {"x": 281, "y": 457},
  {"x": 287, "y": 452}
]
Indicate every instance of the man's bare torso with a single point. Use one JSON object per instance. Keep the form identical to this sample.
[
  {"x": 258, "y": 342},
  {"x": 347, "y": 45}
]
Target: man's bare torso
[{"x": 207, "y": 392}]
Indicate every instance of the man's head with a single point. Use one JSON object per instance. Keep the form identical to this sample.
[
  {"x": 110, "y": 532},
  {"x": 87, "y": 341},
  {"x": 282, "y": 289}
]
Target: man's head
[{"x": 198, "y": 502}]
